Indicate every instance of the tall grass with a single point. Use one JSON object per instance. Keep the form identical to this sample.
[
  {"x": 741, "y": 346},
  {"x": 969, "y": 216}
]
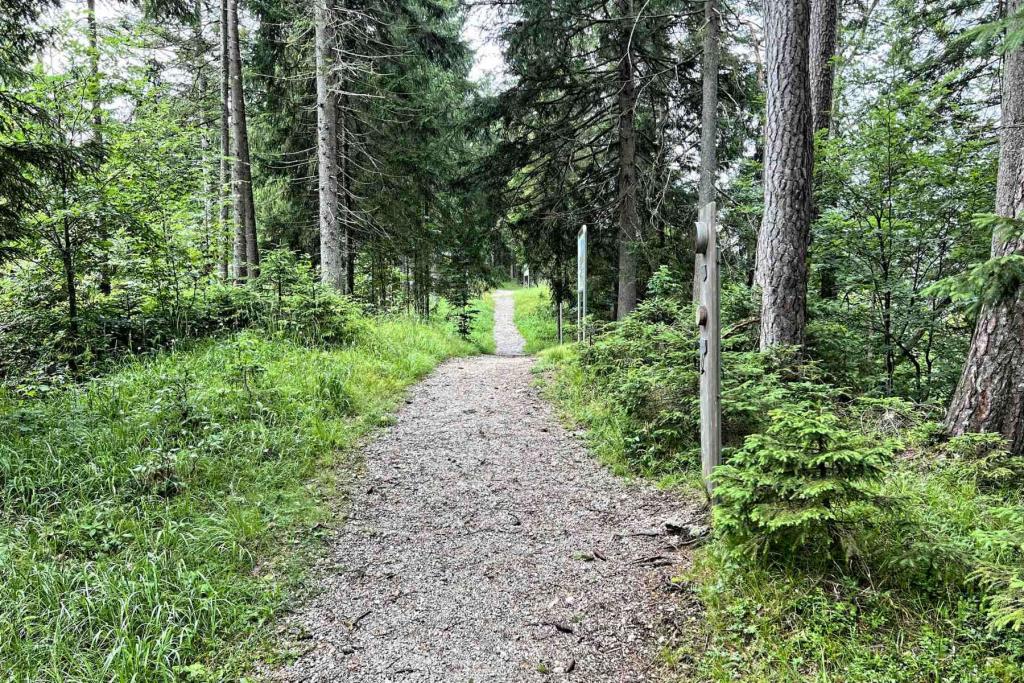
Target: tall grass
[
  {"x": 152, "y": 521},
  {"x": 482, "y": 331},
  {"x": 535, "y": 318}
]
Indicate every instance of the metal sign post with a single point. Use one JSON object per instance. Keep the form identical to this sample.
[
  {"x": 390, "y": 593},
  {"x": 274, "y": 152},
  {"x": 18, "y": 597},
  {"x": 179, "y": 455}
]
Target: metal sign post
[
  {"x": 581, "y": 284},
  {"x": 709, "y": 325}
]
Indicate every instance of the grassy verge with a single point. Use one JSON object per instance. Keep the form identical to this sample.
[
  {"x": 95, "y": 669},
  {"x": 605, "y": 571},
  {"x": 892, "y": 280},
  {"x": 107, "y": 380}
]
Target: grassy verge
[
  {"x": 482, "y": 332},
  {"x": 153, "y": 520},
  {"x": 609, "y": 429},
  {"x": 534, "y": 318},
  {"x": 911, "y": 609},
  {"x": 580, "y": 404}
]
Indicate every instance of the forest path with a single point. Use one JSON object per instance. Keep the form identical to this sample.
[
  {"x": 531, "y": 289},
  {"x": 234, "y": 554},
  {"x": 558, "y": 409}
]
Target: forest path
[
  {"x": 484, "y": 543},
  {"x": 507, "y": 340}
]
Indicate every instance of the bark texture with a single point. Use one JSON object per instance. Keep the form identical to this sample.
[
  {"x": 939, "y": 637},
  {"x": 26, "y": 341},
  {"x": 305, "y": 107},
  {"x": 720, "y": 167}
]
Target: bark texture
[
  {"x": 209, "y": 241},
  {"x": 822, "y": 46},
  {"x": 629, "y": 219},
  {"x": 824, "y": 33},
  {"x": 96, "y": 112},
  {"x": 223, "y": 232},
  {"x": 990, "y": 395},
  {"x": 781, "y": 264},
  {"x": 709, "y": 117},
  {"x": 332, "y": 270},
  {"x": 247, "y": 257}
]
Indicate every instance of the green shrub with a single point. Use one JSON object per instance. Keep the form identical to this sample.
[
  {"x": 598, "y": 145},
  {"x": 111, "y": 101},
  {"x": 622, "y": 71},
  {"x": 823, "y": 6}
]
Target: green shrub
[
  {"x": 286, "y": 300},
  {"x": 799, "y": 485},
  {"x": 986, "y": 457}
]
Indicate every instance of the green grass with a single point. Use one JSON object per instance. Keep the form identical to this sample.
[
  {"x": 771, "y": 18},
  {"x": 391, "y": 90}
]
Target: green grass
[
  {"x": 482, "y": 333},
  {"x": 535, "y": 318},
  {"x": 153, "y": 521},
  {"x": 607, "y": 429},
  {"x": 582, "y": 402}
]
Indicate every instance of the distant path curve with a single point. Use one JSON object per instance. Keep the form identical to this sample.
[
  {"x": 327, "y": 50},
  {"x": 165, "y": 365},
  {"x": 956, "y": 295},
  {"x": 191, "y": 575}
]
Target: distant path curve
[
  {"x": 507, "y": 340},
  {"x": 485, "y": 544}
]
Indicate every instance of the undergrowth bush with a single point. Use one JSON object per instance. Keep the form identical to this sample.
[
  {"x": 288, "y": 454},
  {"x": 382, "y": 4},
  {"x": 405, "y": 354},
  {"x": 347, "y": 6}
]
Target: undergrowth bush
[
  {"x": 286, "y": 300},
  {"x": 799, "y": 486}
]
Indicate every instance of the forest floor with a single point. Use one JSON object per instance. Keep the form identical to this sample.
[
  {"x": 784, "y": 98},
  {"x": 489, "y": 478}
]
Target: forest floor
[{"x": 484, "y": 543}]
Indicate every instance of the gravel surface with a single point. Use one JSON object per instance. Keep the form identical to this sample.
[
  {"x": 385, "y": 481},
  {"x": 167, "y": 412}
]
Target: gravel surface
[
  {"x": 507, "y": 340},
  {"x": 484, "y": 543}
]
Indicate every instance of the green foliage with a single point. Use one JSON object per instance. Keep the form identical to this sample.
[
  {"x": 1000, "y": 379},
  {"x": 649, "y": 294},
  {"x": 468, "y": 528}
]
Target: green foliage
[
  {"x": 988, "y": 283},
  {"x": 902, "y": 568},
  {"x": 481, "y": 332},
  {"x": 287, "y": 300},
  {"x": 985, "y": 458},
  {"x": 787, "y": 626},
  {"x": 799, "y": 486},
  {"x": 156, "y": 518},
  {"x": 535, "y": 318}
]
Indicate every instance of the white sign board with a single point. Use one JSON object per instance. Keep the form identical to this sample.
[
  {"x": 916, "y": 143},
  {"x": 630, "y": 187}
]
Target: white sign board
[{"x": 581, "y": 284}]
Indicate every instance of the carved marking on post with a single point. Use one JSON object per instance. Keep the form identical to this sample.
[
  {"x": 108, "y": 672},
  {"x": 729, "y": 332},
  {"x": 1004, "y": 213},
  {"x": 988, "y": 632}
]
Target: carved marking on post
[{"x": 709, "y": 325}]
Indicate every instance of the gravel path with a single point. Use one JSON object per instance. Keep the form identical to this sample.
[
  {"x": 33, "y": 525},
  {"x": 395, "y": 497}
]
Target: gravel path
[
  {"x": 484, "y": 543},
  {"x": 507, "y": 340}
]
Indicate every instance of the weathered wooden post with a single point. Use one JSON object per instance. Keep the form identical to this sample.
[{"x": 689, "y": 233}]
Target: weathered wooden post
[
  {"x": 581, "y": 284},
  {"x": 708, "y": 324}
]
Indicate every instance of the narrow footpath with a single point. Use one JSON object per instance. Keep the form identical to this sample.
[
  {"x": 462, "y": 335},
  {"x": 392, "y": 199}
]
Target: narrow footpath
[{"x": 485, "y": 544}]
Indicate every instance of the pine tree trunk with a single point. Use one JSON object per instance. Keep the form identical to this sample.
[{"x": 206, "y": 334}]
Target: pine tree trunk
[
  {"x": 822, "y": 47},
  {"x": 344, "y": 185},
  {"x": 332, "y": 271},
  {"x": 347, "y": 198},
  {"x": 781, "y": 267},
  {"x": 97, "y": 126},
  {"x": 224, "y": 235},
  {"x": 204, "y": 143},
  {"x": 628, "y": 218},
  {"x": 709, "y": 117},
  {"x": 824, "y": 29},
  {"x": 247, "y": 255},
  {"x": 990, "y": 394}
]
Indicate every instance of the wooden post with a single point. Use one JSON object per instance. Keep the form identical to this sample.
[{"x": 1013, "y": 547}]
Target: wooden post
[{"x": 709, "y": 325}]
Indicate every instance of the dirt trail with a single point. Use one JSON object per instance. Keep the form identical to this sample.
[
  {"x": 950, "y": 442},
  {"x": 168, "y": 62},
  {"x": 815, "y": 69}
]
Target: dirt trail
[{"x": 485, "y": 544}]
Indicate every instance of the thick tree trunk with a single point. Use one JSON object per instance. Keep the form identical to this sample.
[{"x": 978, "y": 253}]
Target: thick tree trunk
[
  {"x": 781, "y": 268},
  {"x": 224, "y": 234},
  {"x": 209, "y": 241},
  {"x": 990, "y": 395},
  {"x": 247, "y": 257},
  {"x": 628, "y": 218},
  {"x": 332, "y": 271},
  {"x": 709, "y": 117}
]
